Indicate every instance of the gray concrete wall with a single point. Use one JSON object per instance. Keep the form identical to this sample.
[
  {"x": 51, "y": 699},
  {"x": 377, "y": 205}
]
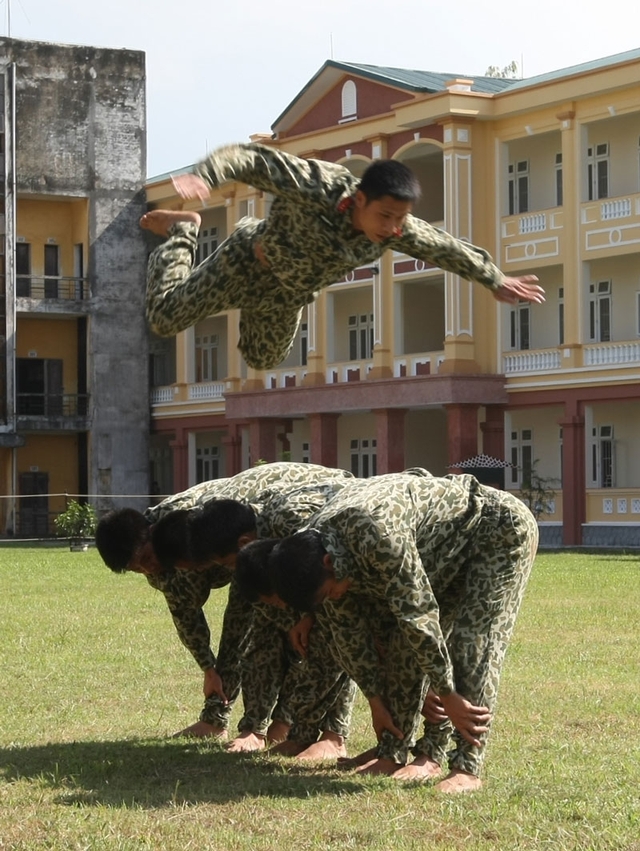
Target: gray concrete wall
[{"x": 81, "y": 131}]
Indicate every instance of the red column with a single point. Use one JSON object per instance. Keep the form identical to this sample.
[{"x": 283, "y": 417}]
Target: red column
[
  {"x": 233, "y": 450},
  {"x": 262, "y": 440},
  {"x": 573, "y": 473},
  {"x": 493, "y": 432},
  {"x": 324, "y": 439},
  {"x": 462, "y": 432},
  {"x": 180, "y": 449},
  {"x": 390, "y": 439}
]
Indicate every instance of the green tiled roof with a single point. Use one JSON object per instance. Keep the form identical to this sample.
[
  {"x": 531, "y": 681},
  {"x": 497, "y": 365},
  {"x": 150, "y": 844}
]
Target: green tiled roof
[
  {"x": 423, "y": 81},
  {"x": 594, "y": 65}
]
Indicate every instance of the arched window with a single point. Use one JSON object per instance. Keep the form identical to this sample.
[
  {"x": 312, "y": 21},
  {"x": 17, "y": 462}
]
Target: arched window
[{"x": 349, "y": 100}]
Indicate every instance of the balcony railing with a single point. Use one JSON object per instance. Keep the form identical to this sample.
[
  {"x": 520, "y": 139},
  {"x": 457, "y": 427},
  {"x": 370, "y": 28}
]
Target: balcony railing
[
  {"x": 338, "y": 373},
  {"x": 533, "y": 223},
  {"x": 206, "y": 390},
  {"x": 418, "y": 364},
  {"x": 161, "y": 395},
  {"x": 289, "y": 377},
  {"x": 531, "y": 361},
  {"x": 52, "y": 289},
  {"x": 52, "y": 404},
  {"x": 606, "y": 354},
  {"x": 618, "y": 208},
  {"x": 611, "y": 223},
  {"x": 532, "y": 237}
]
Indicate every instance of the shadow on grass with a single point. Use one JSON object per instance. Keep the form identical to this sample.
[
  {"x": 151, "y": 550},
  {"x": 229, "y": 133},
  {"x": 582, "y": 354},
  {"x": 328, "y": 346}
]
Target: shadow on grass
[{"x": 148, "y": 773}]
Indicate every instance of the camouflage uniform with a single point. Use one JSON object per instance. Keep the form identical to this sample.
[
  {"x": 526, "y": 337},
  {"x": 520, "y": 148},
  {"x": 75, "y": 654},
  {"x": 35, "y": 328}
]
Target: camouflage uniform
[
  {"x": 252, "y": 650},
  {"x": 439, "y": 567},
  {"x": 307, "y": 243}
]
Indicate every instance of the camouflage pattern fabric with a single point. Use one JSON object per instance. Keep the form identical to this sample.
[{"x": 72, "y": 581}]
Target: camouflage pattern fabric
[
  {"x": 439, "y": 565},
  {"x": 312, "y": 695},
  {"x": 283, "y": 495},
  {"x": 308, "y": 243}
]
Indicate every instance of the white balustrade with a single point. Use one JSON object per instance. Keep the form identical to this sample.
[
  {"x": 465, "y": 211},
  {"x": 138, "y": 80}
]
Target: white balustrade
[
  {"x": 533, "y": 223},
  {"x": 606, "y": 354},
  {"x": 618, "y": 208},
  {"x": 159, "y": 395},
  {"x": 206, "y": 390},
  {"x": 536, "y": 361}
]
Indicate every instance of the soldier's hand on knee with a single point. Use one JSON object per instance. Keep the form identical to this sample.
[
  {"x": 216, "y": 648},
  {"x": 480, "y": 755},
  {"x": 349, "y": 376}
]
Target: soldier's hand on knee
[
  {"x": 469, "y": 720},
  {"x": 432, "y": 709},
  {"x": 382, "y": 719},
  {"x": 213, "y": 684}
]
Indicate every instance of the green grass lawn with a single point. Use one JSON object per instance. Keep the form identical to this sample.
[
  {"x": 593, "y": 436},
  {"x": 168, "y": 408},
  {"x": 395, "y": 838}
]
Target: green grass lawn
[{"x": 94, "y": 679}]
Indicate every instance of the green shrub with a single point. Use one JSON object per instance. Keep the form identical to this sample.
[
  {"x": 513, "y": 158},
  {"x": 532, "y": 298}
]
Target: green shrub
[{"x": 77, "y": 522}]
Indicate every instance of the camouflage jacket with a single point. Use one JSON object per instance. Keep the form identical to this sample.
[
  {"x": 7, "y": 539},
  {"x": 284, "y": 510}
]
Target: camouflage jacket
[
  {"x": 283, "y": 504},
  {"x": 308, "y": 240},
  {"x": 400, "y": 539}
]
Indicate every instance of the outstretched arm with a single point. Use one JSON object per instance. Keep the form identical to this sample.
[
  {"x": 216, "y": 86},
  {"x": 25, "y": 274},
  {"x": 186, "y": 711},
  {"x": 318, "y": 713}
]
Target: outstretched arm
[{"x": 425, "y": 242}]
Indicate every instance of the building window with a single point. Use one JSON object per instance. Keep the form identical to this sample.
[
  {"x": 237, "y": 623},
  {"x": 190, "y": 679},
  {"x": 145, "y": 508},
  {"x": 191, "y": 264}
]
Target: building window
[
  {"x": 207, "y": 463},
  {"x": 51, "y": 270},
  {"x": 39, "y": 386},
  {"x": 23, "y": 269},
  {"x": 519, "y": 187},
  {"x": 602, "y": 457},
  {"x": 598, "y": 171},
  {"x": 349, "y": 100},
  {"x": 207, "y": 358},
  {"x": 364, "y": 461},
  {"x": 559, "y": 180},
  {"x": 521, "y": 457},
  {"x": 207, "y": 243},
  {"x": 561, "y": 315},
  {"x": 520, "y": 326},
  {"x": 162, "y": 362},
  {"x": 638, "y": 314},
  {"x": 247, "y": 208},
  {"x": 306, "y": 453},
  {"x": 304, "y": 343},
  {"x": 360, "y": 336},
  {"x": 600, "y": 312}
]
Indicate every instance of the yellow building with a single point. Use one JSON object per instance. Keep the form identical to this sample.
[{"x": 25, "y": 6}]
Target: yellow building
[{"x": 401, "y": 364}]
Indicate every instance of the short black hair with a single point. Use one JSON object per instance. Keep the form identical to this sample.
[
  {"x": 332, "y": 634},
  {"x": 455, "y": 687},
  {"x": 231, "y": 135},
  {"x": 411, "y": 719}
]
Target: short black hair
[
  {"x": 119, "y": 534},
  {"x": 214, "y": 529},
  {"x": 389, "y": 177},
  {"x": 170, "y": 538},
  {"x": 297, "y": 569},
  {"x": 252, "y": 569}
]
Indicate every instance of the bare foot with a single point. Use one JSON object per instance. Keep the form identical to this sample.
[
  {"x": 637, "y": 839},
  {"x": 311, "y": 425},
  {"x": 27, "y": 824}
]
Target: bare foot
[
  {"x": 159, "y": 221},
  {"x": 288, "y": 748},
  {"x": 277, "y": 732},
  {"x": 458, "y": 781},
  {"x": 246, "y": 743},
  {"x": 329, "y": 746},
  {"x": 422, "y": 768},
  {"x": 379, "y": 766},
  {"x": 353, "y": 762},
  {"x": 202, "y": 730}
]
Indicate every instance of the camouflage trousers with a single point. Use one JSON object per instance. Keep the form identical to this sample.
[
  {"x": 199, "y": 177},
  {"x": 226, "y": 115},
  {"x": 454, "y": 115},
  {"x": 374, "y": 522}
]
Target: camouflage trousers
[
  {"x": 179, "y": 295},
  {"x": 478, "y": 611},
  {"x": 311, "y": 695},
  {"x": 479, "y": 614}
]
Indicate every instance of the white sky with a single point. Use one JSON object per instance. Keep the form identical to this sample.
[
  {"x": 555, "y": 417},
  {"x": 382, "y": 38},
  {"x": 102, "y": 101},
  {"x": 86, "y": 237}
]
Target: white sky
[{"x": 219, "y": 70}]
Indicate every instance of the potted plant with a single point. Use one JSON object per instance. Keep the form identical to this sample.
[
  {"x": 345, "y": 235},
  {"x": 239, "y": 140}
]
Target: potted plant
[{"x": 78, "y": 524}]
